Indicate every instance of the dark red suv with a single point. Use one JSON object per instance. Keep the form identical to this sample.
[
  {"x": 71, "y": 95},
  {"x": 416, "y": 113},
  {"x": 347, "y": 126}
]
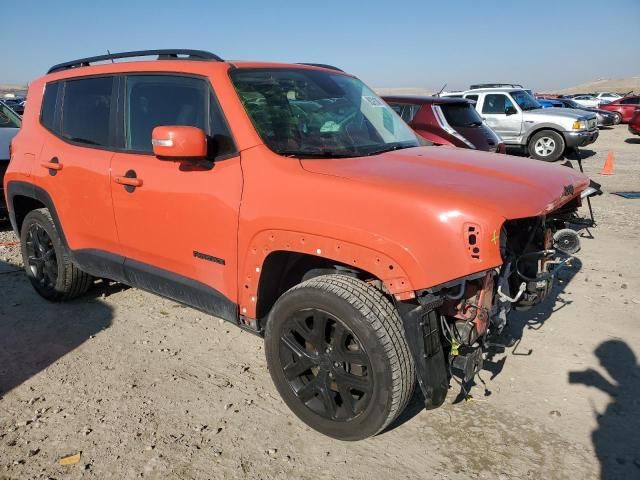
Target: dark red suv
[{"x": 447, "y": 121}]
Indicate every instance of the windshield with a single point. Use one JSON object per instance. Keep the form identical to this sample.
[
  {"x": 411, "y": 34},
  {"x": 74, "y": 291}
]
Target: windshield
[
  {"x": 8, "y": 119},
  {"x": 572, "y": 104},
  {"x": 318, "y": 113},
  {"x": 461, "y": 115},
  {"x": 525, "y": 101}
]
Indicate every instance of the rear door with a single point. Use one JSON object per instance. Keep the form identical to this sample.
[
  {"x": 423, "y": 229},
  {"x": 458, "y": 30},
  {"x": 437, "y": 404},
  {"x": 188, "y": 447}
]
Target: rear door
[
  {"x": 178, "y": 228},
  {"x": 73, "y": 168},
  {"x": 502, "y": 115}
]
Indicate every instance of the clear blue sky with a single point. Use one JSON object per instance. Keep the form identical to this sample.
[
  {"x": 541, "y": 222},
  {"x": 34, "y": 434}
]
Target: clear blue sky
[{"x": 394, "y": 43}]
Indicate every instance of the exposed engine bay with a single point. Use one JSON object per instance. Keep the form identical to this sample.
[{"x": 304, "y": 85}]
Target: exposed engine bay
[{"x": 533, "y": 250}]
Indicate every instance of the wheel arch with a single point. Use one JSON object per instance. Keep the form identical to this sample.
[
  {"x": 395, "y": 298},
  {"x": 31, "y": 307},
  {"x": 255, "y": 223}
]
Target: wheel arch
[
  {"x": 277, "y": 260},
  {"x": 23, "y": 197},
  {"x": 540, "y": 128}
]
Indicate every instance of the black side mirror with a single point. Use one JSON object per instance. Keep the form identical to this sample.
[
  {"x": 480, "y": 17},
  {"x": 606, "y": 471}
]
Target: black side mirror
[{"x": 510, "y": 111}]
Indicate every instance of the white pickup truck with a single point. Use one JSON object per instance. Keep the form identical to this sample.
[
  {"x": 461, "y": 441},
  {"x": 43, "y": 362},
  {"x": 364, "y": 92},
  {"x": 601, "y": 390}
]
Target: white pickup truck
[{"x": 545, "y": 134}]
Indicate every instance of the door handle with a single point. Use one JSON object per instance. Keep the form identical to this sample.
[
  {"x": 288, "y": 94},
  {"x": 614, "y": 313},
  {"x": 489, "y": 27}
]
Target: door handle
[
  {"x": 53, "y": 165},
  {"x": 129, "y": 181}
]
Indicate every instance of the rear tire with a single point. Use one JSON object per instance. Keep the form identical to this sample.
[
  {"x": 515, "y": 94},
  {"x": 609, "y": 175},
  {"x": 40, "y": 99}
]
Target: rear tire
[
  {"x": 337, "y": 354},
  {"x": 546, "y": 145},
  {"x": 46, "y": 261}
]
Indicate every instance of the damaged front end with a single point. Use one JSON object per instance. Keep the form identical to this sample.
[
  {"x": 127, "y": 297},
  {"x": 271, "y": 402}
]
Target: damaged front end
[{"x": 448, "y": 325}]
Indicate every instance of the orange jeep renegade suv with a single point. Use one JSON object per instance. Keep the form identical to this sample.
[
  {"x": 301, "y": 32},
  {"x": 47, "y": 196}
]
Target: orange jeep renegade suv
[{"x": 291, "y": 201}]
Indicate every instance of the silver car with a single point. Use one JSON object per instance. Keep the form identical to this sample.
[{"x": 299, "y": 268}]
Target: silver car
[
  {"x": 545, "y": 133},
  {"x": 9, "y": 125}
]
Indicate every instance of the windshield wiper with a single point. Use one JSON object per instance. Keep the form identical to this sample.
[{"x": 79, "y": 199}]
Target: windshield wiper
[
  {"x": 477, "y": 123},
  {"x": 391, "y": 147},
  {"x": 315, "y": 154}
]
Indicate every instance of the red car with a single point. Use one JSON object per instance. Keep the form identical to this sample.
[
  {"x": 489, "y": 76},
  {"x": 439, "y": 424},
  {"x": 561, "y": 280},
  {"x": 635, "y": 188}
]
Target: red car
[
  {"x": 623, "y": 107},
  {"x": 447, "y": 121},
  {"x": 634, "y": 123}
]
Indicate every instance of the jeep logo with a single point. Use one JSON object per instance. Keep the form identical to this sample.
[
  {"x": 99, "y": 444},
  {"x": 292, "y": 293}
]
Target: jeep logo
[{"x": 568, "y": 190}]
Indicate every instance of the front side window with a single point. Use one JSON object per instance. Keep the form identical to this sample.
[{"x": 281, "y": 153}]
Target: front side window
[
  {"x": 157, "y": 100},
  {"x": 8, "y": 118},
  {"x": 86, "y": 110},
  {"x": 318, "y": 113},
  {"x": 496, "y": 103}
]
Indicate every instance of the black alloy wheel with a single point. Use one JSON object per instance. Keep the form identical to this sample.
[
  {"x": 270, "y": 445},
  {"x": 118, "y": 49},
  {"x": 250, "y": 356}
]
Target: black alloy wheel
[
  {"x": 325, "y": 365},
  {"x": 337, "y": 354},
  {"x": 41, "y": 257}
]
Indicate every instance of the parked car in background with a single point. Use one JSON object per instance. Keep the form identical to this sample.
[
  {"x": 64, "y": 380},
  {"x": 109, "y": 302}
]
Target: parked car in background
[
  {"x": 634, "y": 123},
  {"x": 549, "y": 103},
  {"x": 624, "y": 107},
  {"x": 544, "y": 133},
  {"x": 608, "y": 96},
  {"x": 603, "y": 117},
  {"x": 17, "y": 104},
  {"x": 9, "y": 125},
  {"x": 590, "y": 101},
  {"x": 447, "y": 121}
]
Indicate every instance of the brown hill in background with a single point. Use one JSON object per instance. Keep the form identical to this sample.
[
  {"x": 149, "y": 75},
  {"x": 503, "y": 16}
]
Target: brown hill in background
[{"x": 620, "y": 85}]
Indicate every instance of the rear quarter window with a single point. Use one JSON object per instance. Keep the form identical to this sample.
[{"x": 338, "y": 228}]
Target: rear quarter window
[{"x": 49, "y": 101}]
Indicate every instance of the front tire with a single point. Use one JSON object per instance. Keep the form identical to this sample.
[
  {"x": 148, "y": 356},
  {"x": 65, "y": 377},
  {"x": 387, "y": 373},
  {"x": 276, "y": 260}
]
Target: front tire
[
  {"x": 45, "y": 259},
  {"x": 617, "y": 118},
  {"x": 546, "y": 145},
  {"x": 337, "y": 354}
]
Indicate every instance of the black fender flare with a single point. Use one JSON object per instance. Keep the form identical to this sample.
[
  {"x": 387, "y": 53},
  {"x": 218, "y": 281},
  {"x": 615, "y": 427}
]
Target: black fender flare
[{"x": 17, "y": 188}]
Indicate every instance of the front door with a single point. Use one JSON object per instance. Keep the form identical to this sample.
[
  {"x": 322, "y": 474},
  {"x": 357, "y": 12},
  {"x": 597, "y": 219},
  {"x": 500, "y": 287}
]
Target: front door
[
  {"x": 502, "y": 115},
  {"x": 178, "y": 223}
]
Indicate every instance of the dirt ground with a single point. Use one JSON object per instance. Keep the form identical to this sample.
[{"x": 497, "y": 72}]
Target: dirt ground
[{"x": 146, "y": 388}]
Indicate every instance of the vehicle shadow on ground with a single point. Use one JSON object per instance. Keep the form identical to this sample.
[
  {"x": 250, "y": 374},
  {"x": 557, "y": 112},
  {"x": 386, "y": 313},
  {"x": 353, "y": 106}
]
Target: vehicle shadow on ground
[
  {"x": 503, "y": 345},
  {"x": 35, "y": 333},
  {"x": 617, "y": 438},
  {"x": 632, "y": 141}
]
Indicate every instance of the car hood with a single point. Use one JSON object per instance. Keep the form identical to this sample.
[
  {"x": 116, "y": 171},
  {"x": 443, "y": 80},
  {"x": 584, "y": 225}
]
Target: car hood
[
  {"x": 6, "y": 135},
  {"x": 446, "y": 179},
  {"x": 543, "y": 114}
]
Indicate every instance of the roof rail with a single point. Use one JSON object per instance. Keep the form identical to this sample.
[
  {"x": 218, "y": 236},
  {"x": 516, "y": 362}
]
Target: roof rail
[
  {"x": 165, "y": 54},
  {"x": 495, "y": 85},
  {"x": 322, "y": 65}
]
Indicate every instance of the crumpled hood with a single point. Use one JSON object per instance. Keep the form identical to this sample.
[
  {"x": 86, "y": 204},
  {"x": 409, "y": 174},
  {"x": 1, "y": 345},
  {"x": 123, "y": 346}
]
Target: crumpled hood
[
  {"x": 447, "y": 179},
  {"x": 544, "y": 114}
]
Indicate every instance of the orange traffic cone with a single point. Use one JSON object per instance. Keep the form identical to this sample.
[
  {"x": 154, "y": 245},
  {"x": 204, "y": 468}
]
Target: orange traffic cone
[{"x": 607, "y": 169}]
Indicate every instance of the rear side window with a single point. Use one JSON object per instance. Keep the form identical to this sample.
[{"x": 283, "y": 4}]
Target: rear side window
[
  {"x": 48, "y": 113},
  {"x": 630, "y": 101},
  {"x": 461, "y": 115},
  {"x": 472, "y": 97},
  {"x": 86, "y": 110},
  {"x": 407, "y": 111}
]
